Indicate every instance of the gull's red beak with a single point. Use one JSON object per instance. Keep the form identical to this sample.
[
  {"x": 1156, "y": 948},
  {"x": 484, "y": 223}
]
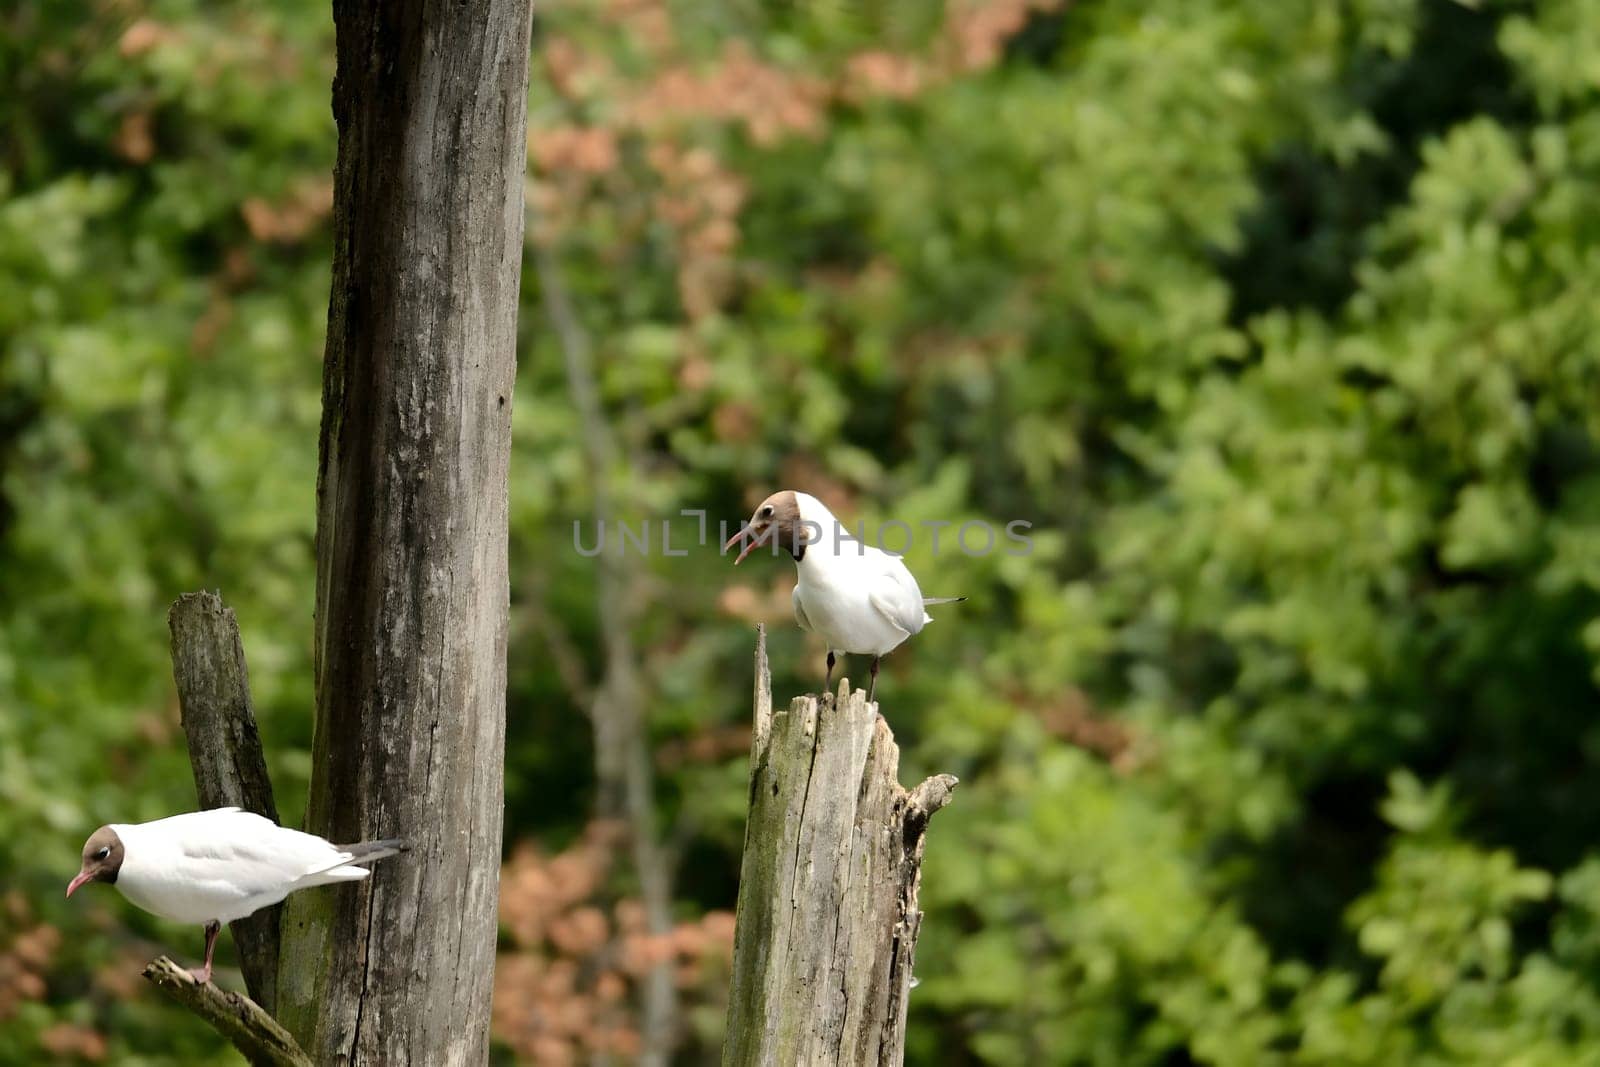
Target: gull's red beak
[
  {"x": 72, "y": 886},
  {"x": 755, "y": 539}
]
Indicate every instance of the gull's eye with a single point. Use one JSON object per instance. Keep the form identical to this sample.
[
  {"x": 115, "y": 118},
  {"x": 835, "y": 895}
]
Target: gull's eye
[
  {"x": 103, "y": 853},
  {"x": 766, "y": 512}
]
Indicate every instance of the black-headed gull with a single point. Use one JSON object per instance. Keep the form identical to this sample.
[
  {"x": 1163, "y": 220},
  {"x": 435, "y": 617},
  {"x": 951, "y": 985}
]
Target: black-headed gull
[
  {"x": 857, "y": 598},
  {"x": 212, "y": 867}
]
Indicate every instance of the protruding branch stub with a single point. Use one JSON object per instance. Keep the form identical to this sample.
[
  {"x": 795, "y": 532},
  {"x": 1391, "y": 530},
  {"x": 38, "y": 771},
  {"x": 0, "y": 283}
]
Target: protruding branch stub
[
  {"x": 763, "y": 693},
  {"x": 933, "y": 793},
  {"x": 241, "y": 1020}
]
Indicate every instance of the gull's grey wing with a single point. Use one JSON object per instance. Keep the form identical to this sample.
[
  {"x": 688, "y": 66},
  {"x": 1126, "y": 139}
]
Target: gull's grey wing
[
  {"x": 894, "y": 592},
  {"x": 800, "y": 610},
  {"x": 256, "y": 849},
  {"x": 890, "y": 608}
]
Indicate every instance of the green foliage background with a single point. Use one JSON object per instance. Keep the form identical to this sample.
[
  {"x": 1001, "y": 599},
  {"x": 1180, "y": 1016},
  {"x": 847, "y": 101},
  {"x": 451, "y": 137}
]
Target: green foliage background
[{"x": 1276, "y": 319}]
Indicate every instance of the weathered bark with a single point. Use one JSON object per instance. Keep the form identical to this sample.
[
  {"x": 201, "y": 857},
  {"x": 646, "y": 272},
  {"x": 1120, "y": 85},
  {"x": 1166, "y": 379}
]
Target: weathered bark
[
  {"x": 430, "y": 101},
  {"x": 230, "y": 770},
  {"x": 239, "y": 1019},
  {"x": 828, "y": 915}
]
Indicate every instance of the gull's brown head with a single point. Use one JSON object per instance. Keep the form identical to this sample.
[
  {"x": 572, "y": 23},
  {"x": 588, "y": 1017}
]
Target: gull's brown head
[
  {"x": 102, "y": 859},
  {"x": 778, "y": 517}
]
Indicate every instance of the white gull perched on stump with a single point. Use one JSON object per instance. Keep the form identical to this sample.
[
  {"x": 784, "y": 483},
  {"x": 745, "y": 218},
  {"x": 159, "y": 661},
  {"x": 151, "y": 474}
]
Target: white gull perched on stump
[{"x": 857, "y": 598}]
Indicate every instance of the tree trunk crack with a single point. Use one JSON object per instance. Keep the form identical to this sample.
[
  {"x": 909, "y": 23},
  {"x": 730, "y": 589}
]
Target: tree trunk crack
[
  {"x": 461, "y": 927},
  {"x": 805, "y": 800},
  {"x": 844, "y": 976},
  {"x": 366, "y": 976}
]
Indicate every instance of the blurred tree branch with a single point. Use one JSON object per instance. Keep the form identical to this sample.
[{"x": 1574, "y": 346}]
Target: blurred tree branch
[
  {"x": 626, "y": 777},
  {"x": 564, "y": 652}
]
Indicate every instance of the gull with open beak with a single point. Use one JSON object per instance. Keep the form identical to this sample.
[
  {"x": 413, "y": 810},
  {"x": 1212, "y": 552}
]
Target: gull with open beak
[
  {"x": 855, "y": 597},
  {"x": 216, "y": 866}
]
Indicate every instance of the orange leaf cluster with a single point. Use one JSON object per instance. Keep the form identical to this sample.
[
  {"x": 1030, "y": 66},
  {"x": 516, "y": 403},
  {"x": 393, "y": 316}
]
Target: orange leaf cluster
[
  {"x": 589, "y": 150},
  {"x": 569, "y": 161},
  {"x": 645, "y": 21},
  {"x": 699, "y": 202},
  {"x": 66, "y": 1041},
  {"x": 674, "y": 96},
  {"x": 879, "y": 73},
  {"x": 972, "y": 40},
  {"x": 565, "y": 983},
  {"x": 976, "y": 31},
  {"x": 121, "y": 975},
  {"x": 768, "y": 101},
  {"x": 135, "y": 140},
  {"x": 293, "y": 215},
  {"x": 144, "y": 35},
  {"x": 573, "y": 72},
  {"x": 25, "y": 960}
]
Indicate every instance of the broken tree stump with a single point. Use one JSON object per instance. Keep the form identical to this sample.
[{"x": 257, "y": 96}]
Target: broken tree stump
[{"x": 828, "y": 916}]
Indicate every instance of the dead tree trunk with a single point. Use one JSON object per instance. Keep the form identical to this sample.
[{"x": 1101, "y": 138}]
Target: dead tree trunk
[
  {"x": 828, "y": 913},
  {"x": 430, "y": 101},
  {"x": 230, "y": 770},
  {"x": 624, "y": 769}
]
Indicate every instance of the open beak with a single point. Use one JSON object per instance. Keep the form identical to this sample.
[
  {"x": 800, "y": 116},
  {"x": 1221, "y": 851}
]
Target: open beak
[
  {"x": 755, "y": 539},
  {"x": 72, "y": 886}
]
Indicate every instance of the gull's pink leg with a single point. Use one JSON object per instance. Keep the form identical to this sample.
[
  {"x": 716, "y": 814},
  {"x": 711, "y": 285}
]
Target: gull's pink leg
[{"x": 203, "y": 975}]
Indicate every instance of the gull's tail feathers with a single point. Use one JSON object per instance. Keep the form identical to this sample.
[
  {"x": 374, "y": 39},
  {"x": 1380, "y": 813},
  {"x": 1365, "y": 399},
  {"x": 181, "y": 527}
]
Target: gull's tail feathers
[
  {"x": 368, "y": 851},
  {"x": 349, "y": 869}
]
